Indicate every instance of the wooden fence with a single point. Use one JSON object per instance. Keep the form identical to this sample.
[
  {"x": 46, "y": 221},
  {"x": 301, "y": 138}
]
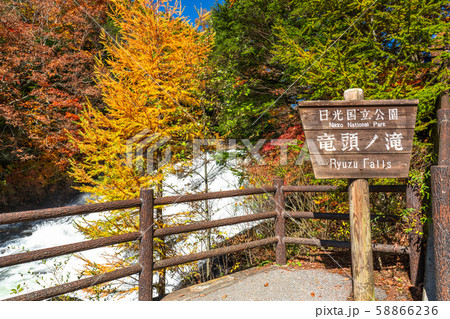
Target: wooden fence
[
  {"x": 440, "y": 201},
  {"x": 147, "y": 232}
]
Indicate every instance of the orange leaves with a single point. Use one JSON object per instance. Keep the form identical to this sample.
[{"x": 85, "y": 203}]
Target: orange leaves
[
  {"x": 149, "y": 84},
  {"x": 71, "y": 116},
  {"x": 47, "y": 51}
]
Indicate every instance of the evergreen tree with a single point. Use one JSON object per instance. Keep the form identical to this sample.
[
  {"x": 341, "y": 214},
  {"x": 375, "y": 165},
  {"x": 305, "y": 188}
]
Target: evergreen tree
[
  {"x": 246, "y": 78},
  {"x": 390, "y": 49},
  {"x": 270, "y": 54}
]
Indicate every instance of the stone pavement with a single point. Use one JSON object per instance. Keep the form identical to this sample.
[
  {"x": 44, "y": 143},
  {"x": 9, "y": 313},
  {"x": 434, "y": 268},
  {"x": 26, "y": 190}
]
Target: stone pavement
[{"x": 274, "y": 283}]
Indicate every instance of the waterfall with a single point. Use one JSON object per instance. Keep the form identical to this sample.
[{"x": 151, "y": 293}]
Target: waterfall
[{"x": 37, "y": 275}]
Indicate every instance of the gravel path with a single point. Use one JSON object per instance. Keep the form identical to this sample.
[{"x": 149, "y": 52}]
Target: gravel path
[
  {"x": 285, "y": 284},
  {"x": 273, "y": 283}
]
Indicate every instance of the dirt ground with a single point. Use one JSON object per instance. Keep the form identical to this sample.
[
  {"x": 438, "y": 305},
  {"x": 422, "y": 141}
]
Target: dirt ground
[{"x": 391, "y": 271}]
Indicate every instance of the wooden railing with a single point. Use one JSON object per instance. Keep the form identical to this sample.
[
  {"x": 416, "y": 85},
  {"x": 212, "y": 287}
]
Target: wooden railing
[
  {"x": 147, "y": 233},
  {"x": 440, "y": 201}
]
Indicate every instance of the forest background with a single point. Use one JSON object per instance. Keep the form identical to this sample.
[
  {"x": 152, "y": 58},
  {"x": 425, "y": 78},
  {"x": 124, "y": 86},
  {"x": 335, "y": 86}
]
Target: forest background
[{"x": 80, "y": 78}]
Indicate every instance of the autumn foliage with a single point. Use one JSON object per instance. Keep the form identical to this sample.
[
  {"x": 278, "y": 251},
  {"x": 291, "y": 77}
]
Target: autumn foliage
[
  {"x": 100, "y": 92},
  {"x": 47, "y": 50},
  {"x": 150, "y": 84}
]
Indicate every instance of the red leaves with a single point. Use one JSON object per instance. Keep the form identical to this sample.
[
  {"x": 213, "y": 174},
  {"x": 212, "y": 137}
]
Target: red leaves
[
  {"x": 44, "y": 77},
  {"x": 45, "y": 73},
  {"x": 71, "y": 116}
]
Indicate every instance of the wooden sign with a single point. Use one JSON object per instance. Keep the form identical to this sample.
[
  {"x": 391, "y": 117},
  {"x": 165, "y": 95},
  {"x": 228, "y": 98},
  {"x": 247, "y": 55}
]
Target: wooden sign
[{"x": 359, "y": 138}]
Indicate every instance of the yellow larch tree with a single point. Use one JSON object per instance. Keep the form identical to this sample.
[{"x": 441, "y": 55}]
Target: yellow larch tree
[{"x": 150, "y": 81}]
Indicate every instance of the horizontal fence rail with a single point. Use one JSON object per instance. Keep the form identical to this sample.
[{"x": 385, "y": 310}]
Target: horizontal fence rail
[
  {"x": 333, "y": 188},
  {"x": 310, "y": 188},
  {"x": 212, "y": 195},
  {"x": 213, "y": 253},
  {"x": 33, "y": 215},
  {"x": 280, "y": 240},
  {"x": 211, "y": 224},
  {"x": 78, "y": 284},
  {"x": 45, "y": 253},
  {"x": 344, "y": 244},
  {"x": 386, "y": 188},
  {"x": 337, "y": 216}
]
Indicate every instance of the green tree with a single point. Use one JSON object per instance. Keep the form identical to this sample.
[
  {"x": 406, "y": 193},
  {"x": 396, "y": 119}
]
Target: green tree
[
  {"x": 246, "y": 80},
  {"x": 316, "y": 49},
  {"x": 283, "y": 51},
  {"x": 390, "y": 49}
]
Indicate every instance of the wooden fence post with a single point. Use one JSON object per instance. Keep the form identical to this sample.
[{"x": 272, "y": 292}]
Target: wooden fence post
[
  {"x": 416, "y": 251},
  {"x": 360, "y": 230},
  {"x": 280, "y": 221},
  {"x": 440, "y": 203},
  {"x": 146, "y": 245}
]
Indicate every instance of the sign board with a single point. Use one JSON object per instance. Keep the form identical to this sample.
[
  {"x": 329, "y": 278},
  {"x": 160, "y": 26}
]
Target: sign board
[{"x": 359, "y": 138}]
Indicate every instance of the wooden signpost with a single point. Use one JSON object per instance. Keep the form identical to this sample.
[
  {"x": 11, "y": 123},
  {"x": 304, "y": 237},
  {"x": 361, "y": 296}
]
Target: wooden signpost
[{"x": 359, "y": 139}]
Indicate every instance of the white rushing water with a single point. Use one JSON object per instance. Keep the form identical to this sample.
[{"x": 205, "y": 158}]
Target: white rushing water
[
  {"x": 42, "y": 274},
  {"x": 50, "y": 233}
]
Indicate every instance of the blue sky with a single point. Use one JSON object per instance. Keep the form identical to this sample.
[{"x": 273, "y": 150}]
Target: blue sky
[{"x": 190, "y": 5}]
